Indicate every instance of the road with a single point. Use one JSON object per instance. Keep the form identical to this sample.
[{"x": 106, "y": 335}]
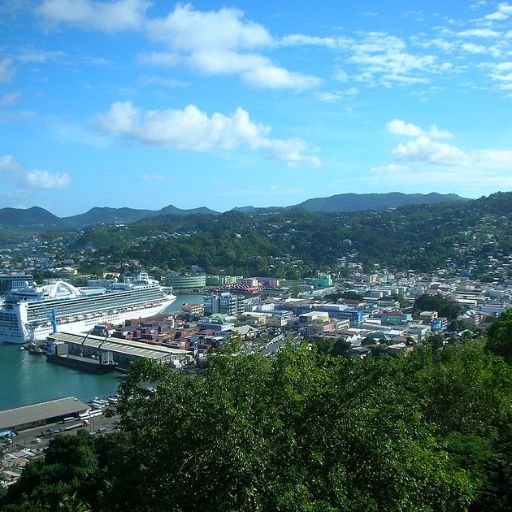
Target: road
[{"x": 26, "y": 438}]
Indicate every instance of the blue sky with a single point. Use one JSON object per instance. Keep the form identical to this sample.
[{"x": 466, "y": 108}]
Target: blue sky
[{"x": 144, "y": 104}]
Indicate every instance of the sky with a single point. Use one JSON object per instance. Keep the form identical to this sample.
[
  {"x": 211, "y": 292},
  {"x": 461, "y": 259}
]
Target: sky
[{"x": 145, "y": 104}]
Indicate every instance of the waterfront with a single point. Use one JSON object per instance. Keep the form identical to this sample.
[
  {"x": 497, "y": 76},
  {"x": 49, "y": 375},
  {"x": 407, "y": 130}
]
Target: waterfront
[{"x": 27, "y": 379}]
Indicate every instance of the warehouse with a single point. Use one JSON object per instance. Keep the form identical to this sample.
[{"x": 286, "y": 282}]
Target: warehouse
[
  {"x": 122, "y": 352},
  {"x": 36, "y": 415}
]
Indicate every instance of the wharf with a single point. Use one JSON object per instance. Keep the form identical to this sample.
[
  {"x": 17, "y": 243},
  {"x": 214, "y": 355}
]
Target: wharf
[{"x": 121, "y": 351}]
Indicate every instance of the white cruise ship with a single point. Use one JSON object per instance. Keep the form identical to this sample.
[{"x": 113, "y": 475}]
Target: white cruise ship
[{"x": 26, "y": 313}]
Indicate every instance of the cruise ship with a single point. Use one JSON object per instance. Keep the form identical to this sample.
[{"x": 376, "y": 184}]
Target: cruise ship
[{"x": 26, "y": 314}]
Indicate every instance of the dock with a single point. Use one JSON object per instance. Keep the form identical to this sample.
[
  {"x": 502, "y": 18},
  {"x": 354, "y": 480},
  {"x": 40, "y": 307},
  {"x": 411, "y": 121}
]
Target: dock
[{"x": 122, "y": 352}]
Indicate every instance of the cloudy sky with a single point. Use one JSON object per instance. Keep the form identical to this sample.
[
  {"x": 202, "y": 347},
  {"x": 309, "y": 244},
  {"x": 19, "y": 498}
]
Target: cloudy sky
[{"x": 144, "y": 104}]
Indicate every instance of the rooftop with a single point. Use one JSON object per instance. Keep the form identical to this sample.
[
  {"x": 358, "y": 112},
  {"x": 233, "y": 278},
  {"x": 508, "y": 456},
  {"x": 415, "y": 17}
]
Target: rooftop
[
  {"x": 41, "y": 411},
  {"x": 120, "y": 346}
]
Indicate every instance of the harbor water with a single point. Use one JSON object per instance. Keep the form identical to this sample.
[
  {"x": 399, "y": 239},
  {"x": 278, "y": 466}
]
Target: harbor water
[{"x": 27, "y": 379}]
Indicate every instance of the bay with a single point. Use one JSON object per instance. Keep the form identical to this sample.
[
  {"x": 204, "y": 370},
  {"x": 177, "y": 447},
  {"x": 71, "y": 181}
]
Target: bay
[{"x": 26, "y": 379}]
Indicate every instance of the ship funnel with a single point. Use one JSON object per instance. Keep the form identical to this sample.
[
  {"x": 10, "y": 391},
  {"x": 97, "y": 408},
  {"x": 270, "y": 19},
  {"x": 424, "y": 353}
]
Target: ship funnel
[{"x": 53, "y": 318}]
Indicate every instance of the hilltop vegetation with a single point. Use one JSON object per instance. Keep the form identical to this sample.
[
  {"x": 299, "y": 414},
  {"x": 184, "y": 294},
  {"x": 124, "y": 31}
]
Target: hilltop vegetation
[
  {"x": 361, "y": 202},
  {"x": 37, "y": 216},
  {"x": 473, "y": 235},
  {"x": 299, "y": 432}
]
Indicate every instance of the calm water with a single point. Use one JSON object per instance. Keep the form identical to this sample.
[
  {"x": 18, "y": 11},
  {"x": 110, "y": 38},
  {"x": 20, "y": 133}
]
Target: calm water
[{"x": 26, "y": 379}]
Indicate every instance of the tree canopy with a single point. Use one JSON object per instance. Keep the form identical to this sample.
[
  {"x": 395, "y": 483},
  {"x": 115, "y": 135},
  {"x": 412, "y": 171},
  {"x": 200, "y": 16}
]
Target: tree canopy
[
  {"x": 500, "y": 336},
  {"x": 302, "y": 431}
]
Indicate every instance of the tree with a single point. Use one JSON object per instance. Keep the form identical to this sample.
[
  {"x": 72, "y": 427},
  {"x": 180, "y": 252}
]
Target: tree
[
  {"x": 499, "y": 336},
  {"x": 445, "y": 307},
  {"x": 65, "y": 477},
  {"x": 298, "y": 432}
]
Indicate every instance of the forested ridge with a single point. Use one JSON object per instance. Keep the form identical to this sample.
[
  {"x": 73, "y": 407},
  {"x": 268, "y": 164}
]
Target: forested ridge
[
  {"x": 302, "y": 431},
  {"x": 423, "y": 238}
]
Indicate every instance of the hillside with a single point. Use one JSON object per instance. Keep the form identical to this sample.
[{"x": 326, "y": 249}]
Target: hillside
[
  {"x": 475, "y": 236},
  {"x": 361, "y": 202},
  {"x": 105, "y": 215},
  {"x": 108, "y": 215},
  {"x": 172, "y": 210},
  {"x": 34, "y": 216}
]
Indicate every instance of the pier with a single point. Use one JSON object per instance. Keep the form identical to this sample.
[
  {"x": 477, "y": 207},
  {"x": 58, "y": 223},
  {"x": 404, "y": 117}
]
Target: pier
[{"x": 122, "y": 352}]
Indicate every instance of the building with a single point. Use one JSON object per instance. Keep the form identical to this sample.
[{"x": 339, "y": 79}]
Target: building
[
  {"x": 215, "y": 326},
  {"x": 314, "y": 317},
  {"x": 279, "y": 318},
  {"x": 322, "y": 281},
  {"x": 269, "y": 282},
  {"x": 193, "y": 309},
  {"x": 10, "y": 282},
  {"x": 338, "y": 311},
  {"x": 224, "y": 303},
  {"x": 36, "y": 415},
  {"x": 122, "y": 352},
  {"x": 222, "y": 280},
  {"x": 428, "y": 316},
  {"x": 186, "y": 281},
  {"x": 249, "y": 281}
]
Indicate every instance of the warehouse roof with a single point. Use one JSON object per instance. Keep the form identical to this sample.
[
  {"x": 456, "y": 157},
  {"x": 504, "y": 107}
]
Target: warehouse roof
[
  {"x": 126, "y": 347},
  {"x": 12, "y": 418}
]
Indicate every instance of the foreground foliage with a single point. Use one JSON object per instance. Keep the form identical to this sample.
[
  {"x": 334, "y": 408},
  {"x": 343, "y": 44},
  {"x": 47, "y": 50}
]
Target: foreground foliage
[{"x": 299, "y": 432}]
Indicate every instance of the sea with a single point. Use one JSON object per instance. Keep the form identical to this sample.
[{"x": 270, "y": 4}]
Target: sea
[{"x": 27, "y": 379}]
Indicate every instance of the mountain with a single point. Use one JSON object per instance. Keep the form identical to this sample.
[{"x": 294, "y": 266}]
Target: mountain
[
  {"x": 108, "y": 215},
  {"x": 246, "y": 209},
  {"x": 34, "y": 216},
  {"x": 467, "y": 238},
  {"x": 337, "y": 204},
  {"x": 259, "y": 209},
  {"x": 360, "y": 202},
  {"x": 128, "y": 215},
  {"x": 172, "y": 210}
]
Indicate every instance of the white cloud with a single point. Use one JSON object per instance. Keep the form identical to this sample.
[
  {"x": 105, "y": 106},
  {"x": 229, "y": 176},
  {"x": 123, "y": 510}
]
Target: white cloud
[
  {"x": 221, "y": 42},
  {"x": 29, "y": 54},
  {"x": 474, "y": 48},
  {"x": 425, "y": 150},
  {"x": 10, "y": 98},
  {"x": 35, "y": 179},
  {"x": 383, "y": 60},
  {"x": 335, "y": 43},
  {"x": 501, "y": 73},
  {"x": 107, "y": 16},
  {"x": 186, "y": 29},
  {"x": 165, "y": 82},
  {"x": 424, "y": 161},
  {"x": 329, "y": 97},
  {"x": 504, "y": 12},
  {"x": 192, "y": 130},
  {"x": 9, "y": 164},
  {"x": 7, "y": 71},
  {"x": 436, "y": 42},
  {"x": 216, "y": 42},
  {"x": 340, "y": 74},
  {"x": 399, "y": 127},
  {"x": 273, "y": 77},
  {"x": 334, "y": 97},
  {"x": 291, "y": 151},
  {"x": 479, "y": 32},
  {"x": 46, "y": 180}
]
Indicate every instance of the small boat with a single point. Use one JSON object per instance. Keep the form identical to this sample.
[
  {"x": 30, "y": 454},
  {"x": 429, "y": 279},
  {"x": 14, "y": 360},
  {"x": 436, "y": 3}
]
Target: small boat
[{"x": 35, "y": 350}]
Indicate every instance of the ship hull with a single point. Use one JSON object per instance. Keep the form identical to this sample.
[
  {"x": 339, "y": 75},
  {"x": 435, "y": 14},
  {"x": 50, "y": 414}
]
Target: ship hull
[{"x": 41, "y": 332}]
